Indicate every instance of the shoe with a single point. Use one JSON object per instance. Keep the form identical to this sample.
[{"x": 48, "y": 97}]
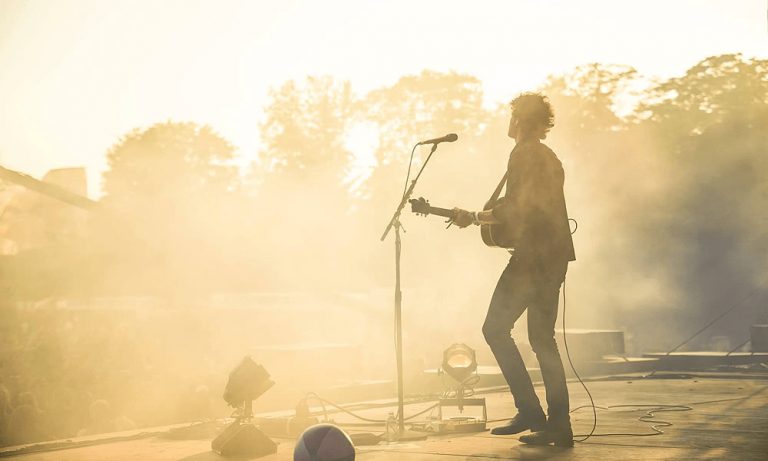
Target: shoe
[
  {"x": 559, "y": 437},
  {"x": 522, "y": 423}
]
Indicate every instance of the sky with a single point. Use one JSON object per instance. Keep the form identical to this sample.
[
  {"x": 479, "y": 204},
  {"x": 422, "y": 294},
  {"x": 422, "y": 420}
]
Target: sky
[{"x": 76, "y": 75}]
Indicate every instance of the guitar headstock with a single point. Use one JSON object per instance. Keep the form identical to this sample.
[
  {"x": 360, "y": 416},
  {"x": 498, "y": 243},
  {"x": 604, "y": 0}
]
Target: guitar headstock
[{"x": 420, "y": 206}]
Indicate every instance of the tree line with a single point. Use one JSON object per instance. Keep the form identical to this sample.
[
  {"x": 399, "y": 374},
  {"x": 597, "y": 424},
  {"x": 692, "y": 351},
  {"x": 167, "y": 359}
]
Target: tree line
[{"x": 667, "y": 178}]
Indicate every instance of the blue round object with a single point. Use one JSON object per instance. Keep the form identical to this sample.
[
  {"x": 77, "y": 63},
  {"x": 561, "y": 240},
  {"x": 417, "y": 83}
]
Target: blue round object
[{"x": 324, "y": 442}]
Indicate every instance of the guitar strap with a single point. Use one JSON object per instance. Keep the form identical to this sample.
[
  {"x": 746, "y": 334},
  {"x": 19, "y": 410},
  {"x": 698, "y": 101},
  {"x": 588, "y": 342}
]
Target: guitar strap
[{"x": 497, "y": 192}]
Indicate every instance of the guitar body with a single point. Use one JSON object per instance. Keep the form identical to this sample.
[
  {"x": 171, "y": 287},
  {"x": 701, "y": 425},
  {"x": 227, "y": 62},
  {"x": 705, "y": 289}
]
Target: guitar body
[{"x": 496, "y": 235}]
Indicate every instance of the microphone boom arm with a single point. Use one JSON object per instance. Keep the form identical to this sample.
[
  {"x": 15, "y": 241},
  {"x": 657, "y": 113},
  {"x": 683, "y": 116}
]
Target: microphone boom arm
[{"x": 407, "y": 195}]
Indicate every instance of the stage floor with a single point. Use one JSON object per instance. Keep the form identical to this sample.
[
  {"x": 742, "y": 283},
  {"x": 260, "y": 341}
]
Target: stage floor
[{"x": 713, "y": 416}]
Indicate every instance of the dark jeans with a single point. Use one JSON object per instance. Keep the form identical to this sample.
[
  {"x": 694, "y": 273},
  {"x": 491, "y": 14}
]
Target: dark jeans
[{"x": 522, "y": 286}]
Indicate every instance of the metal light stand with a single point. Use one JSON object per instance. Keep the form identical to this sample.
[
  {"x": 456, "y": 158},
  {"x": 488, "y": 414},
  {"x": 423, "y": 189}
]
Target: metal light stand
[{"x": 395, "y": 222}]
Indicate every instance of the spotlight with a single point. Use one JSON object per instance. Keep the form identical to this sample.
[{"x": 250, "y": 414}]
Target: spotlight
[
  {"x": 459, "y": 362},
  {"x": 246, "y": 383}
]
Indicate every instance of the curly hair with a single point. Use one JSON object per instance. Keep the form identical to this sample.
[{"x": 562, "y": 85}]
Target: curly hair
[{"x": 533, "y": 111}]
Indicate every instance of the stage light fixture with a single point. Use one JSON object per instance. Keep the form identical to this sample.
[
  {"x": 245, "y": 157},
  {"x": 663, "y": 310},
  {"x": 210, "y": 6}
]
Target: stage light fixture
[
  {"x": 246, "y": 383},
  {"x": 459, "y": 361}
]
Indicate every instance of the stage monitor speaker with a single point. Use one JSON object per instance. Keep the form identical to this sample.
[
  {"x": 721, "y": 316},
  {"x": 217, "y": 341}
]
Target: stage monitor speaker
[
  {"x": 243, "y": 439},
  {"x": 759, "y": 338}
]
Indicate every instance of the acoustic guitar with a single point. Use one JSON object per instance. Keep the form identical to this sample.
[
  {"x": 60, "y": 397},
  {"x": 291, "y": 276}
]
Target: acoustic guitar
[{"x": 494, "y": 235}]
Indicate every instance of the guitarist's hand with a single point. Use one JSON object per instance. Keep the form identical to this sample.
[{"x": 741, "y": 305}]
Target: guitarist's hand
[{"x": 462, "y": 218}]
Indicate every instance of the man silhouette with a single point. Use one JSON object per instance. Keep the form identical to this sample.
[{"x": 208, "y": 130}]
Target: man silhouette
[{"x": 534, "y": 215}]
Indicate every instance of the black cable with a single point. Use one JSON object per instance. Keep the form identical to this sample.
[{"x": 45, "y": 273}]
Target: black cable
[
  {"x": 408, "y": 175},
  {"x": 333, "y": 404},
  {"x": 340, "y": 408},
  {"x": 468, "y": 382},
  {"x": 423, "y": 411},
  {"x": 467, "y": 385},
  {"x": 568, "y": 354},
  {"x": 648, "y": 417}
]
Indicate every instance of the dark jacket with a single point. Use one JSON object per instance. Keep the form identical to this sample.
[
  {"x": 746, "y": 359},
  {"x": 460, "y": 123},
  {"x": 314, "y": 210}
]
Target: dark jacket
[{"x": 534, "y": 205}]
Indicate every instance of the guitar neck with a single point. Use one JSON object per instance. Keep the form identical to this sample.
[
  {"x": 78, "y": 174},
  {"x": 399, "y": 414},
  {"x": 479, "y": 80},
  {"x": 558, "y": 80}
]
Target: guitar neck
[
  {"x": 422, "y": 206},
  {"x": 444, "y": 212}
]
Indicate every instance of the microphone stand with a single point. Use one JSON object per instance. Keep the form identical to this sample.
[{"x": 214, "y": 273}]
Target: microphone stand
[{"x": 395, "y": 222}]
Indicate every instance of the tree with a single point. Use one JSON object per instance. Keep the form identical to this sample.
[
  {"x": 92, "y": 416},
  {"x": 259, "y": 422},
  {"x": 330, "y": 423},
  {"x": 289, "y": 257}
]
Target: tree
[
  {"x": 431, "y": 102},
  {"x": 417, "y": 107},
  {"x": 706, "y": 214},
  {"x": 588, "y": 98},
  {"x": 172, "y": 196},
  {"x": 711, "y": 90},
  {"x": 305, "y": 163},
  {"x": 167, "y": 162},
  {"x": 303, "y": 135}
]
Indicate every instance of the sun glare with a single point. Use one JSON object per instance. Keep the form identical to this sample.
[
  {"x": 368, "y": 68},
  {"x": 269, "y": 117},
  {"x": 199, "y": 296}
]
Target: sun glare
[{"x": 362, "y": 140}]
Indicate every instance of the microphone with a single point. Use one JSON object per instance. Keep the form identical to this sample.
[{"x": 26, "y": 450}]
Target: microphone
[{"x": 447, "y": 138}]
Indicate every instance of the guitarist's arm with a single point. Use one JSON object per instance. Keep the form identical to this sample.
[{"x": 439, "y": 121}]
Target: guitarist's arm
[
  {"x": 464, "y": 218},
  {"x": 487, "y": 217}
]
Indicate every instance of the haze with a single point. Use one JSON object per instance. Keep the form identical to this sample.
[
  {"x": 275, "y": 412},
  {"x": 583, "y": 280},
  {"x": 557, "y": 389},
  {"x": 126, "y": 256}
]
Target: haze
[{"x": 246, "y": 156}]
